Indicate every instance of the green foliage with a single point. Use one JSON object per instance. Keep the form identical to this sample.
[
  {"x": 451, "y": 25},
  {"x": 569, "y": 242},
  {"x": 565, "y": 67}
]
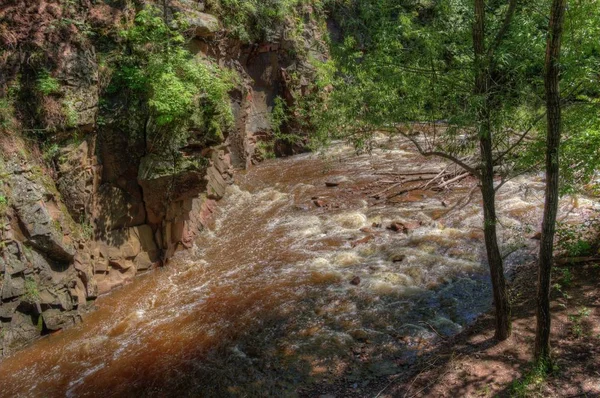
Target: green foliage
[
  {"x": 7, "y": 112},
  {"x": 46, "y": 84},
  {"x": 178, "y": 91},
  {"x": 86, "y": 229},
  {"x": 32, "y": 292},
  {"x": 577, "y": 327},
  {"x": 50, "y": 151},
  {"x": 532, "y": 383},
  {"x": 413, "y": 61},
  {"x": 280, "y": 117},
  {"x": 70, "y": 113},
  {"x": 404, "y": 61},
  {"x": 317, "y": 111},
  {"x": 565, "y": 277},
  {"x": 578, "y": 240},
  {"x": 4, "y": 191},
  {"x": 7, "y": 106},
  {"x": 265, "y": 150},
  {"x": 258, "y": 20},
  {"x": 3, "y": 204}
]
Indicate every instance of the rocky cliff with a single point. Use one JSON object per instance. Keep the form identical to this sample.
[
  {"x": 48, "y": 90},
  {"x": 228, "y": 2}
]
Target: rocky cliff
[{"x": 100, "y": 178}]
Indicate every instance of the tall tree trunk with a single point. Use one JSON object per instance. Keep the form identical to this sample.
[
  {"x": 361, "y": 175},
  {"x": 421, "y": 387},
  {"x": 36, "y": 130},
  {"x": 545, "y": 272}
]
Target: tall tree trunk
[
  {"x": 482, "y": 85},
  {"x": 555, "y": 29}
]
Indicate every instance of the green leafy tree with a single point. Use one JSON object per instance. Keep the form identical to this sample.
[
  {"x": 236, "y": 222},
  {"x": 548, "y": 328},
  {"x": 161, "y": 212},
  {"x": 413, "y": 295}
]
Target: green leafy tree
[
  {"x": 473, "y": 71},
  {"x": 444, "y": 61}
]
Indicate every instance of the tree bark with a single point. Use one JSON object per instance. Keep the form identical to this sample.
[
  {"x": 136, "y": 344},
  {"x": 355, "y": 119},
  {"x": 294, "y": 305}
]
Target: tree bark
[
  {"x": 482, "y": 88},
  {"x": 551, "y": 80}
]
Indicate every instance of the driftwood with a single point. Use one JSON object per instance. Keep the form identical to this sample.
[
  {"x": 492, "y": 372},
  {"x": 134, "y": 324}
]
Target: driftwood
[
  {"x": 400, "y": 183},
  {"x": 446, "y": 178},
  {"x": 453, "y": 180},
  {"x": 410, "y": 173}
]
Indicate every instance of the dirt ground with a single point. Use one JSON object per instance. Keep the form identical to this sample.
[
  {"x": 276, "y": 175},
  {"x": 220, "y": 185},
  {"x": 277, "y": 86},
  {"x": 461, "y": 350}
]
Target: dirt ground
[{"x": 473, "y": 364}]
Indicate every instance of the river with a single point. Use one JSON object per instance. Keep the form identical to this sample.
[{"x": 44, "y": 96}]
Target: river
[{"x": 297, "y": 283}]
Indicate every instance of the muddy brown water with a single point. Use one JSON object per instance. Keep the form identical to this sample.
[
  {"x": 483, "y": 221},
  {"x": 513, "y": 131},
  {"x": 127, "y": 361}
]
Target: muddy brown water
[{"x": 264, "y": 304}]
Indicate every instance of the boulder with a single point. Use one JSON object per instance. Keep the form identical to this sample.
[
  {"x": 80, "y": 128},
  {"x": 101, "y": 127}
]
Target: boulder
[
  {"x": 13, "y": 261},
  {"x": 204, "y": 25},
  {"x": 123, "y": 244},
  {"x": 76, "y": 177},
  {"x": 22, "y": 330},
  {"x": 7, "y": 309},
  {"x": 117, "y": 208},
  {"x": 143, "y": 262},
  {"x": 12, "y": 287},
  {"x": 42, "y": 223},
  {"x": 165, "y": 181},
  {"x": 79, "y": 75},
  {"x": 55, "y": 319}
]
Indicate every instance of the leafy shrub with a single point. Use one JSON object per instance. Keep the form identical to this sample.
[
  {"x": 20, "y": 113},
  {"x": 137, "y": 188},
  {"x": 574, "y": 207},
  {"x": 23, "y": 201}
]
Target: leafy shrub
[
  {"x": 577, "y": 327},
  {"x": 7, "y": 106},
  {"x": 578, "y": 240},
  {"x": 3, "y": 204},
  {"x": 50, "y": 151},
  {"x": 532, "y": 382},
  {"x": 279, "y": 118},
  {"x": 178, "y": 90},
  {"x": 70, "y": 113}
]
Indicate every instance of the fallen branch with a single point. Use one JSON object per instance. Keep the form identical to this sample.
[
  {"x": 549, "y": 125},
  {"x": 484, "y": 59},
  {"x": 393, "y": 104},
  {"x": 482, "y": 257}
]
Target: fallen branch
[
  {"x": 453, "y": 180},
  {"x": 468, "y": 198},
  {"x": 413, "y": 173},
  {"x": 575, "y": 260},
  {"x": 439, "y": 175},
  {"x": 378, "y": 194}
]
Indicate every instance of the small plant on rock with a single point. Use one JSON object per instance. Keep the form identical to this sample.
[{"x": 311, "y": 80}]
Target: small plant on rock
[
  {"x": 46, "y": 84},
  {"x": 32, "y": 292}
]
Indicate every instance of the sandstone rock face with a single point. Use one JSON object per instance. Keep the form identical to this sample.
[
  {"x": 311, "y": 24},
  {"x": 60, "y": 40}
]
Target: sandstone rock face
[
  {"x": 77, "y": 179},
  {"x": 79, "y": 73},
  {"x": 39, "y": 245},
  {"x": 37, "y": 210}
]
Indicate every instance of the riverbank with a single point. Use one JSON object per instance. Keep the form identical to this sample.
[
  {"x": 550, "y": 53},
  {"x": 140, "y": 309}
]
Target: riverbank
[{"x": 473, "y": 364}]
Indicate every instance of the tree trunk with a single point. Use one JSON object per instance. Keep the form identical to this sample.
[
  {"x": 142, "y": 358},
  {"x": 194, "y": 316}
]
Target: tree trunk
[
  {"x": 555, "y": 28},
  {"x": 482, "y": 85}
]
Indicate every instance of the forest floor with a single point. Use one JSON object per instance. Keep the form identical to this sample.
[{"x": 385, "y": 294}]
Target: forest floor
[{"x": 474, "y": 364}]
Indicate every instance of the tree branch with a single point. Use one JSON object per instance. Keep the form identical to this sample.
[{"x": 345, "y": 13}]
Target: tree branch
[
  {"x": 440, "y": 154},
  {"x": 521, "y": 138},
  {"x": 533, "y": 124}
]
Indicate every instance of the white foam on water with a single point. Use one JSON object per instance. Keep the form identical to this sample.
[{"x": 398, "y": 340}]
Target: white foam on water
[
  {"x": 352, "y": 220},
  {"x": 346, "y": 259},
  {"x": 76, "y": 383}
]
